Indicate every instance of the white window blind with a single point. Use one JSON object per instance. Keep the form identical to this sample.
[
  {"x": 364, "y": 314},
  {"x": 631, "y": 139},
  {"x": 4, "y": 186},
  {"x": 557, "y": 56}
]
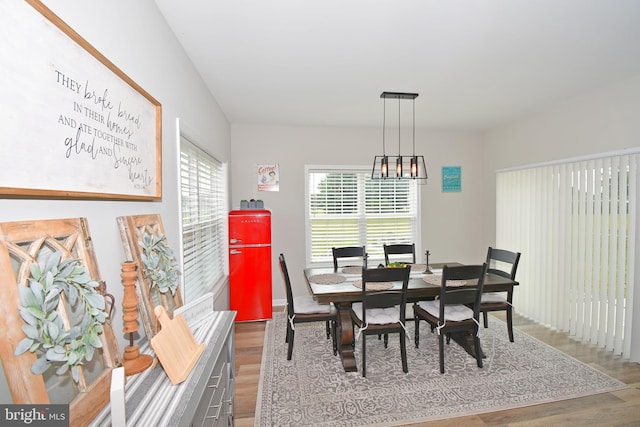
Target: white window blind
[
  {"x": 574, "y": 223},
  {"x": 204, "y": 209},
  {"x": 348, "y": 208}
]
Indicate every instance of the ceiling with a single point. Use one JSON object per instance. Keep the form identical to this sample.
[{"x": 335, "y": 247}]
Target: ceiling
[{"x": 476, "y": 64}]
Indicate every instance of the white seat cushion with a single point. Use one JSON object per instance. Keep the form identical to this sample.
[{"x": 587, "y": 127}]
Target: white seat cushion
[
  {"x": 455, "y": 312},
  {"x": 377, "y": 316},
  {"x": 307, "y": 305},
  {"x": 493, "y": 297}
]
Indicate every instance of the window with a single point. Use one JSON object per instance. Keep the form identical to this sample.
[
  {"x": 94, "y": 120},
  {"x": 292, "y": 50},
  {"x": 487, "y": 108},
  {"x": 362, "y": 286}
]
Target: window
[
  {"x": 574, "y": 223},
  {"x": 345, "y": 207},
  {"x": 204, "y": 210}
]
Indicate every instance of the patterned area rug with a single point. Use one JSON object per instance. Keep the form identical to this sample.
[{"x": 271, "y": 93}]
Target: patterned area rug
[{"x": 313, "y": 390}]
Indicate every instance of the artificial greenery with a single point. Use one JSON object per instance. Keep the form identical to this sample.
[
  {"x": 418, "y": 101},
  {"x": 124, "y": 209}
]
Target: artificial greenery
[
  {"x": 397, "y": 265},
  {"x": 44, "y": 327},
  {"x": 159, "y": 263}
]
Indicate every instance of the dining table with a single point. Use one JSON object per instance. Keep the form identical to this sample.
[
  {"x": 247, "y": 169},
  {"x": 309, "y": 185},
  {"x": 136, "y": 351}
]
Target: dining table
[{"x": 341, "y": 288}]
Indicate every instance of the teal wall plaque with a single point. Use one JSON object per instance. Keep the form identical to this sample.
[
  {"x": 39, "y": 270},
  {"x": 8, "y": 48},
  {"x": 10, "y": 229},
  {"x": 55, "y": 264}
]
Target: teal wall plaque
[{"x": 451, "y": 179}]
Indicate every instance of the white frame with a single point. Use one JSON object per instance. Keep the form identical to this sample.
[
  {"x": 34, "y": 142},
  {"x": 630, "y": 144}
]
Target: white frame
[
  {"x": 366, "y": 169},
  {"x": 184, "y": 130}
]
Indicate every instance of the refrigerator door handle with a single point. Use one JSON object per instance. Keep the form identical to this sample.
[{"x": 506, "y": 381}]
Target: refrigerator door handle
[
  {"x": 234, "y": 241},
  {"x": 235, "y": 251}
]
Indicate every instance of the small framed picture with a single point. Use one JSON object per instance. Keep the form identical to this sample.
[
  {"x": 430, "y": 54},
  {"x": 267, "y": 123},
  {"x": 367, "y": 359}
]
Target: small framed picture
[
  {"x": 268, "y": 178},
  {"x": 451, "y": 179}
]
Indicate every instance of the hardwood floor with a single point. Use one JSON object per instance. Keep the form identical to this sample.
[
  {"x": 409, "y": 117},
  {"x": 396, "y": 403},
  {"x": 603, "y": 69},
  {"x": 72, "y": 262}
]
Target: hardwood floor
[
  {"x": 620, "y": 408},
  {"x": 249, "y": 337}
]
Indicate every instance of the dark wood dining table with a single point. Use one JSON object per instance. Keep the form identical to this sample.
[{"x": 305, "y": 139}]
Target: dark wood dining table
[{"x": 344, "y": 293}]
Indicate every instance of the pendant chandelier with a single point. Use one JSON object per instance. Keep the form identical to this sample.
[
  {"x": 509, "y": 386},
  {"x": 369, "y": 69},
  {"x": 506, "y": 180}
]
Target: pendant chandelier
[{"x": 407, "y": 167}]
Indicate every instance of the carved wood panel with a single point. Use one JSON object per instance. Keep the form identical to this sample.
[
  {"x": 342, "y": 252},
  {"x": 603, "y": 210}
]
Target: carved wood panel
[
  {"x": 22, "y": 244},
  {"x": 132, "y": 230}
]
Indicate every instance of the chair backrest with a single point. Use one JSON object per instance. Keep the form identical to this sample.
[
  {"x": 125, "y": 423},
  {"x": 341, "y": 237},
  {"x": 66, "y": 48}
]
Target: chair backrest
[
  {"x": 348, "y": 252},
  {"x": 400, "y": 249},
  {"x": 470, "y": 293},
  {"x": 384, "y": 298},
  {"x": 287, "y": 283},
  {"x": 502, "y": 262}
]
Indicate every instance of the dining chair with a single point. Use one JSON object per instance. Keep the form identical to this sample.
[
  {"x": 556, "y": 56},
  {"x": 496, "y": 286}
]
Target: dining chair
[
  {"x": 399, "y": 251},
  {"x": 382, "y": 311},
  {"x": 451, "y": 312},
  {"x": 350, "y": 252},
  {"x": 503, "y": 263},
  {"x": 304, "y": 309}
]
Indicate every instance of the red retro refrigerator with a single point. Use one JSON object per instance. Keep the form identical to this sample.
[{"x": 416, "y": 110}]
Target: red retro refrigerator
[{"x": 250, "y": 264}]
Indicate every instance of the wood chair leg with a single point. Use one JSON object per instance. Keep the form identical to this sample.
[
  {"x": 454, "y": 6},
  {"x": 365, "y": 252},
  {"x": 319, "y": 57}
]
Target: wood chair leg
[
  {"x": 328, "y": 327},
  {"x": 386, "y": 340},
  {"x": 510, "y": 323},
  {"x": 353, "y": 337},
  {"x": 364, "y": 355},
  {"x": 334, "y": 333},
  {"x": 403, "y": 352},
  {"x": 441, "y": 351},
  {"x": 291, "y": 337},
  {"x": 416, "y": 337},
  {"x": 484, "y": 319},
  {"x": 476, "y": 344}
]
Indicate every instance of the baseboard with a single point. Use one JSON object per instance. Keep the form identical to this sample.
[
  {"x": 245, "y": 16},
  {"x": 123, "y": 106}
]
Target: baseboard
[{"x": 277, "y": 303}]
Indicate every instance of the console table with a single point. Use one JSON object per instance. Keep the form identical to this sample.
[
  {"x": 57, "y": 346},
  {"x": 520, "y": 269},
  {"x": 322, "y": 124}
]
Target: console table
[{"x": 204, "y": 398}]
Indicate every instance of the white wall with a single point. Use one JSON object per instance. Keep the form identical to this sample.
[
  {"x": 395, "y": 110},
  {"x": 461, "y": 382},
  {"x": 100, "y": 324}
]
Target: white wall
[
  {"x": 597, "y": 122},
  {"x": 450, "y": 221},
  {"x": 134, "y": 36}
]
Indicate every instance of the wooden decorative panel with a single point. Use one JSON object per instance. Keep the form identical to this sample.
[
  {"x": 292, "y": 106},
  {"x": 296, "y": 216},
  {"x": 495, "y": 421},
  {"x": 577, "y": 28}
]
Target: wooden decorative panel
[
  {"x": 132, "y": 230},
  {"x": 21, "y": 245}
]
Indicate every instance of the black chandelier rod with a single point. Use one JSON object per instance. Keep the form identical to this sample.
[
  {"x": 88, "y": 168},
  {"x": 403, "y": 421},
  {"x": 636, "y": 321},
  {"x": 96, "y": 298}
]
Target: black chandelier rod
[
  {"x": 414, "y": 127},
  {"x": 384, "y": 165}
]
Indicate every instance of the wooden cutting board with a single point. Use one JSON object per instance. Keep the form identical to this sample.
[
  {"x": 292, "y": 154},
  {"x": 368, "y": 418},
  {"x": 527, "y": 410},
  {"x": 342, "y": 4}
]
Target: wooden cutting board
[{"x": 175, "y": 346}]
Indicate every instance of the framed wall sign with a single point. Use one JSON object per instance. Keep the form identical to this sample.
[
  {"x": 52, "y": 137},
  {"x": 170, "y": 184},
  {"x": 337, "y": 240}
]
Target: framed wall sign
[
  {"x": 451, "y": 179},
  {"x": 268, "y": 178},
  {"x": 73, "y": 124}
]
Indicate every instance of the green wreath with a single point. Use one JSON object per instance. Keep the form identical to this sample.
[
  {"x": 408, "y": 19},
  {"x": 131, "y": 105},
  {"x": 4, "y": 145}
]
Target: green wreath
[
  {"x": 159, "y": 263},
  {"x": 44, "y": 328}
]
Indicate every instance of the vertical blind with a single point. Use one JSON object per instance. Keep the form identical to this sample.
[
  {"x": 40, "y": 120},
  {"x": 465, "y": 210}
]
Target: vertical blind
[
  {"x": 203, "y": 208},
  {"x": 348, "y": 208},
  {"x": 574, "y": 223}
]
